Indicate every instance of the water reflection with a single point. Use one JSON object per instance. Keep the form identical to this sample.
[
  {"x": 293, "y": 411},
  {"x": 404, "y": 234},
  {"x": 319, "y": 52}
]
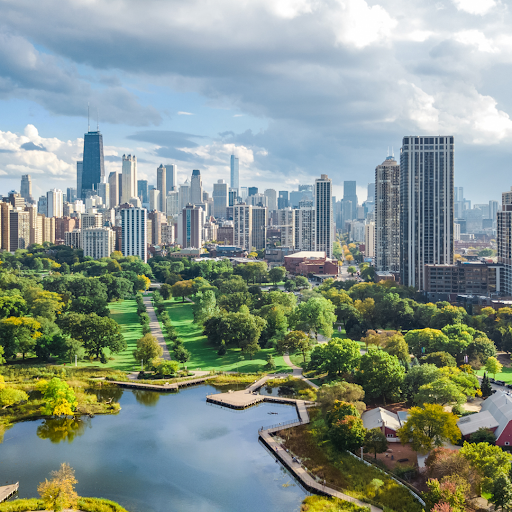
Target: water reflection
[
  {"x": 107, "y": 393},
  {"x": 149, "y": 398},
  {"x": 63, "y": 429},
  {"x": 279, "y": 391}
]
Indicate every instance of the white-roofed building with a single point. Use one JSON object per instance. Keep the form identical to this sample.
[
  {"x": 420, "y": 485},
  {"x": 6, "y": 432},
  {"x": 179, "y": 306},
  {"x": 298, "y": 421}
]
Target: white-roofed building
[
  {"x": 387, "y": 421},
  {"x": 496, "y": 415}
]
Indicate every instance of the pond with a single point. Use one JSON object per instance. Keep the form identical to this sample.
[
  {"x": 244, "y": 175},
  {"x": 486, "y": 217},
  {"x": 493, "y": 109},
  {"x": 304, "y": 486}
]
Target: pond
[{"x": 161, "y": 453}]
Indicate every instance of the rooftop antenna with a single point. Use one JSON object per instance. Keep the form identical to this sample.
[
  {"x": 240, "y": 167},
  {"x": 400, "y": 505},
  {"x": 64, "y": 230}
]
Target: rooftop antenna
[
  {"x": 88, "y": 117},
  {"x": 388, "y": 150}
]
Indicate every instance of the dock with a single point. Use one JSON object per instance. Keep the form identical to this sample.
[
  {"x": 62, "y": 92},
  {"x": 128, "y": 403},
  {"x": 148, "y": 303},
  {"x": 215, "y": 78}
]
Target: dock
[
  {"x": 169, "y": 387},
  {"x": 8, "y": 490}
]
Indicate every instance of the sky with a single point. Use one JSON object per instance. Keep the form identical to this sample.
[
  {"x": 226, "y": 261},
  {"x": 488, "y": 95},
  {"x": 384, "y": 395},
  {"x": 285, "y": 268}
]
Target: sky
[{"x": 294, "y": 88}]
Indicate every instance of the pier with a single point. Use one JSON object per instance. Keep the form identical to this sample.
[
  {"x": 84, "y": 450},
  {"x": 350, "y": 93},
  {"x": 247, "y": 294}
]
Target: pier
[
  {"x": 169, "y": 387},
  {"x": 8, "y": 490}
]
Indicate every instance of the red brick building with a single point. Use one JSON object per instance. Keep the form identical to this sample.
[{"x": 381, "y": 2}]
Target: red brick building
[{"x": 310, "y": 262}]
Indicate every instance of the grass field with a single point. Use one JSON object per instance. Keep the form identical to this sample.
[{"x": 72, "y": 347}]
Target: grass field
[
  {"x": 204, "y": 356},
  {"x": 505, "y": 375}
]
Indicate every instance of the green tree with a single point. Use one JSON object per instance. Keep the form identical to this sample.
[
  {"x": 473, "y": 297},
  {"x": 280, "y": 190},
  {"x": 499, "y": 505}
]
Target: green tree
[
  {"x": 501, "y": 490},
  {"x": 166, "y": 291},
  {"x": 12, "y": 305},
  {"x": 351, "y": 270},
  {"x": 276, "y": 274},
  {"x": 295, "y": 341},
  {"x": 181, "y": 354},
  {"x": 337, "y": 357},
  {"x": 346, "y": 429},
  {"x": 425, "y": 341},
  {"x": 428, "y": 427},
  {"x": 485, "y": 386},
  {"x": 493, "y": 366},
  {"x": 19, "y": 334},
  {"x": 397, "y": 346},
  {"x": 442, "y": 391},
  {"x": 147, "y": 349},
  {"x": 2, "y": 360},
  {"x": 117, "y": 287},
  {"x": 59, "y": 397},
  {"x": 483, "y": 435},
  {"x": 439, "y": 359},
  {"x": 380, "y": 374},
  {"x": 205, "y": 306},
  {"x": 340, "y": 391},
  {"x": 183, "y": 289},
  {"x": 317, "y": 315},
  {"x": 97, "y": 333},
  {"x": 301, "y": 282},
  {"x": 290, "y": 285},
  {"x": 164, "y": 368},
  {"x": 375, "y": 441}
]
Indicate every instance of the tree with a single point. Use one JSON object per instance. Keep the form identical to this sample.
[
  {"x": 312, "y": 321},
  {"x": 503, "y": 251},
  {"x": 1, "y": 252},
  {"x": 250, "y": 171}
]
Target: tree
[
  {"x": 425, "y": 341},
  {"x": 485, "y": 386},
  {"x": 181, "y": 354},
  {"x": 447, "y": 495},
  {"x": 12, "y": 305},
  {"x": 351, "y": 270},
  {"x": 182, "y": 289},
  {"x": 95, "y": 332},
  {"x": 337, "y": 357},
  {"x": 501, "y": 490},
  {"x": 429, "y": 427},
  {"x": 117, "y": 287},
  {"x": 11, "y": 396},
  {"x": 59, "y": 493},
  {"x": 317, "y": 314},
  {"x": 2, "y": 360},
  {"x": 147, "y": 349},
  {"x": 346, "y": 429},
  {"x": 301, "y": 282},
  {"x": 439, "y": 359},
  {"x": 295, "y": 341},
  {"x": 290, "y": 285},
  {"x": 492, "y": 365},
  {"x": 276, "y": 274},
  {"x": 142, "y": 283},
  {"x": 164, "y": 368},
  {"x": 441, "y": 391},
  {"x": 59, "y": 397},
  {"x": 205, "y": 306},
  {"x": 342, "y": 391},
  {"x": 19, "y": 334},
  {"x": 47, "y": 305},
  {"x": 397, "y": 346},
  {"x": 483, "y": 435},
  {"x": 380, "y": 374},
  {"x": 375, "y": 441},
  {"x": 74, "y": 348},
  {"x": 166, "y": 291}
]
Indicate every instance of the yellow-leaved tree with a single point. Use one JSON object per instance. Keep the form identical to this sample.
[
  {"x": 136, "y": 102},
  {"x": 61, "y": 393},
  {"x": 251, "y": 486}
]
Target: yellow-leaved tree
[
  {"x": 59, "y": 397},
  {"x": 59, "y": 492}
]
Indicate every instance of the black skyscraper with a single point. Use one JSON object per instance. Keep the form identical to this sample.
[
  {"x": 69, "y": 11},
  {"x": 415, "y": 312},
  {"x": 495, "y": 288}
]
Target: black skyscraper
[{"x": 93, "y": 170}]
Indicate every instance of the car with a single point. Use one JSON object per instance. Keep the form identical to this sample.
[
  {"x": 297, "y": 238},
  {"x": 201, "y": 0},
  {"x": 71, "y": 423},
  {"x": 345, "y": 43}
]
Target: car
[
  {"x": 509, "y": 386},
  {"x": 499, "y": 382},
  {"x": 491, "y": 379}
]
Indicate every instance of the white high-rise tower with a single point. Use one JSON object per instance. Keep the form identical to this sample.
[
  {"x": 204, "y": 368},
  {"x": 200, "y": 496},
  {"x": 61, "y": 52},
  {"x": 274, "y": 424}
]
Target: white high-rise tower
[
  {"x": 129, "y": 178},
  {"x": 235, "y": 173},
  {"x": 323, "y": 215}
]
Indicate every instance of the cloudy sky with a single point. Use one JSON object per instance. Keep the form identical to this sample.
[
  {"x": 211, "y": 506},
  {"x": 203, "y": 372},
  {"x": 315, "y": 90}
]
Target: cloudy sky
[{"x": 295, "y": 88}]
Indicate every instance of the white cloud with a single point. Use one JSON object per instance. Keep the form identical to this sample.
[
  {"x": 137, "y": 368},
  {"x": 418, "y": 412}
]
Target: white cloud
[
  {"x": 480, "y": 7},
  {"x": 476, "y": 38},
  {"x": 185, "y": 113}
]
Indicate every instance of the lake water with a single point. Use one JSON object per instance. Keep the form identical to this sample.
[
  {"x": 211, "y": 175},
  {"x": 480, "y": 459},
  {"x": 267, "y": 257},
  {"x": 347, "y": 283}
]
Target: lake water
[{"x": 161, "y": 453}]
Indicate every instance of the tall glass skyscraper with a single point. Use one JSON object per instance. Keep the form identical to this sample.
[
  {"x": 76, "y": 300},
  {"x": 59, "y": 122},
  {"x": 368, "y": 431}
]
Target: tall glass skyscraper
[
  {"x": 323, "y": 215},
  {"x": 235, "y": 173},
  {"x": 93, "y": 167},
  {"x": 426, "y": 206}
]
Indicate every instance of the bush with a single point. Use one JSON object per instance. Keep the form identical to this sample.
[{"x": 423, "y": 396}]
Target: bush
[
  {"x": 22, "y": 505},
  {"x": 99, "y": 505},
  {"x": 458, "y": 410}
]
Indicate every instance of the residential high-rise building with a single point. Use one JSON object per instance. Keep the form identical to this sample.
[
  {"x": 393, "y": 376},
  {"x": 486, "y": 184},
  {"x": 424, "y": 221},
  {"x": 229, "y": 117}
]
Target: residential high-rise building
[
  {"x": 271, "y": 196},
  {"x": 192, "y": 220},
  {"x": 305, "y": 229},
  {"x": 282, "y": 200},
  {"x": 235, "y": 173},
  {"x": 184, "y": 194},
  {"x": 98, "y": 242},
  {"x": 154, "y": 200},
  {"x": 387, "y": 216},
  {"x": 369, "y": 240},
  {"x": 161, "y": 185},
  {"x": 71, "y": 195},
  {"x": 16, "y": 200},
  {"x": 19, "y": 229},
  {"x": 220, "y": 199},
  {"x": 42, "y": 206},
  {"x": 142, "y": 191},
  {"x": 93, "y": 170},
  {"x": 323, "y": 215},
  {"x": 158, "y": 219},
  {"x": 259, "y": 227},
  {"x": 54, "y": 203},
  {"x": 196, "y": 187},
  {"x": 113, "y": 189},
  {"x": 350, "y": 194},
  {"x": 171, "y": 178},
  {"x": 173, "y": 203},
  {"x": 242, "y": 222},
  {"x": 104, "y": 193},
  {"x": 426, "y": 212},
  {"x": 286, "y": 223},
  {"x": 5, "y": 225},
  {"x": 133, "y": 232},
  {"x": 233, "y": 196},
  {"x": 26, "y": 188},
  {"x": 129, "y": 175}
]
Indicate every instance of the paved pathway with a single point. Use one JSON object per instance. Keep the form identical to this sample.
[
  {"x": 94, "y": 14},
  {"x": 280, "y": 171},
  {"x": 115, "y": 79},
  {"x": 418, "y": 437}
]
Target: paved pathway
[
  {"x": 297, "y": 371},
  {"x": 154, "y": 325}
]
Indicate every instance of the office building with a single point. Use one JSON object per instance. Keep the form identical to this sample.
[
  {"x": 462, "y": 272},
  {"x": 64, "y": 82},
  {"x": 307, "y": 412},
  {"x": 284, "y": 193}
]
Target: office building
[
  {"x": 98, "y": 242},
  {"x": 242, "y": 226},
  {"x": 54, "y": 203},
  {"x": 113, "y": 189},
  {"x": 171, "y": 178},
  {"x": 235, "y": 174},
  {"x": 93, "y": 167},
  {"x": 142, "y": 191},
  {"x": 79, "y": 175},
  {"x": 286, "y": 223},
  {"x": 154, "y": 200},
  {"x": 133, "y": 232},
  {"x": 282, "y": 200},
  {"x": 161, "y": 185},
  {"x": 16, "y": 200},
  {"x": 257, "y": 200},
  {"x": 350, "y": 194},
  {"x": 251, "y": 191},
  {"x": 173, "y": 203},
  {"x": 243, "y": 194},
  {"x": 271, "y": 196},
  {"x": 129, "y": 178},
  {"x": 426, "y": 198},
  {"x": 158, "y": 219},
  {"x": 323, "y": 215},
  {"x": 305, "y": 229},
  {"x": 26, "y": 188},
  {"x": 191, "y": 227},
  {"x": 104, "y": 193},
  {"x": 220, "y": 199},
  {"x": 259, "y": 227},
  {"x": 196, "y": 187},
  {"x": 387, "y": 216},
  {"x": 184, "y": 194}
]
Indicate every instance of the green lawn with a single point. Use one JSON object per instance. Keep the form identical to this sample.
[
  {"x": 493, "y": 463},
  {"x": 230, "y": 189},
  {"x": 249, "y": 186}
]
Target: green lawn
[
  {"x": 505, "y": 375},
  {"x": 204, "y": 356},
  {"x": 125, "y": 314}
]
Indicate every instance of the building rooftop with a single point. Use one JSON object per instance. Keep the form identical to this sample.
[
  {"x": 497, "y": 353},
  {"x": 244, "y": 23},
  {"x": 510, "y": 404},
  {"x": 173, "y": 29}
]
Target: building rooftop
[
  {"x": 471, "y": 423},
  {"x": 375, "y": 418},
  {"x": 307, "y": 254}
]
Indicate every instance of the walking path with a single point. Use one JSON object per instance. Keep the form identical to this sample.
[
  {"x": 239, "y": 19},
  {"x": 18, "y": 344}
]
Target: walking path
[
  {"x": 297, "y": 371},
  {"x": 154, "y": 325}
]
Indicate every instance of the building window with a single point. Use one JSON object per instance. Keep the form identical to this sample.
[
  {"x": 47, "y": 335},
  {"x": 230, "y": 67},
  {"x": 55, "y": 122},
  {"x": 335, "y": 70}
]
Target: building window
[{"x": 507, "y": 443}]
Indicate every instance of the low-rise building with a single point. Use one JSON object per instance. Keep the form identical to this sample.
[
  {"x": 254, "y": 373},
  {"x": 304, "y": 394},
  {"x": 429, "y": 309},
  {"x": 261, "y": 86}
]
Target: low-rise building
[
  {"x": 310, "y": 262},
  {"x": 389, "y": 422}
]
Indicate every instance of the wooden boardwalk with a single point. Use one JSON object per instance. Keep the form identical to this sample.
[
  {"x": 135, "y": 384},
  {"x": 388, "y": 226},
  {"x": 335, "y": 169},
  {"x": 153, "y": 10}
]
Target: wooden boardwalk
[
  {"x": 174, "y": 386},
  {"x": 8, "y": 490}
]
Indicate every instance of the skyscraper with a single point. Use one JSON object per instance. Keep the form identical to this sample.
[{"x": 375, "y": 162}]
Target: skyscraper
[
  {"x": 220, "y": 199},
  {"x": 259, "y": 227},
  {"x": 323, "y": 215},
  {"x": 171, "y": 178},
  {"x": 161, "y": 185},
  {"x": 93, "y": 171},
  {"x": 26, "y": 188},
  {"x": 54, "y": 203},
  {"x": 271, "y": 196},
  {"x": 305, "y": 229},
  {"x": 79, "y": 176},
  {"x": 113, "y": 187},
  {"x": 426, "y": 212},
  {"x": 134, "y": 232},
  {"x": 235, "y": 173},
  {"x": 129, "y": 178},
  {"x": 142, "y": 191},
  {"x": 350, "y": 194},
  {"x": 387, "y": 216},
  {"x": 286, "y": 222},
  {"x": 196, "y": 187},
  {"x": 282, "y": 200},
  {"x": 192, "y": 220},
  {"x": 242, "y": 221}
]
